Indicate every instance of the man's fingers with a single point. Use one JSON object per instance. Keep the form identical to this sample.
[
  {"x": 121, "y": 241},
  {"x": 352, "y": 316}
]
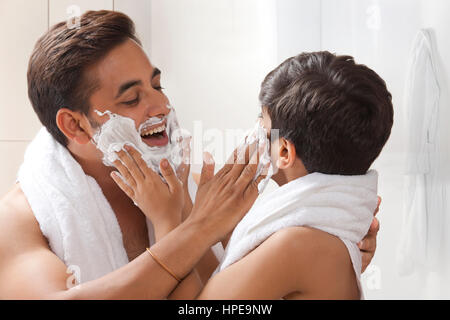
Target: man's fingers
[
  {"x": 368, "y": 244},
  {"x": 122, "y": 185},
  {"x": 229, "y": 163},
  {"x": 378, "y": 206},
  {"x": 125, "y": 173},
  {"x": 252, "y": 189},
  {"x": 170, "y": 176},
  {"x": 374, "y": 227},
  {"x": 243, "y": 160},
  {"x": 248, "y": 173},
  {"x": 207, "y": 169},
  {"x": 232, "y": 158},
  {"x": 366, "y": 258},
  {"x": 196, "y": 178}
]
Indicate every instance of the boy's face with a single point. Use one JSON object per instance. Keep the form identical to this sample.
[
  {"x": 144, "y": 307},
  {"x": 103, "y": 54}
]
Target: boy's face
[
  {"x": 287, "y": 165},
  {"x": 129, "y": 86},
  {"x": 274, "y": 151}
]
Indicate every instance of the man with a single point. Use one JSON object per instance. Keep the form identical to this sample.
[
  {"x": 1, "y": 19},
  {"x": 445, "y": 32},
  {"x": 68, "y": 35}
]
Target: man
[{"x": 101, "y": 66}]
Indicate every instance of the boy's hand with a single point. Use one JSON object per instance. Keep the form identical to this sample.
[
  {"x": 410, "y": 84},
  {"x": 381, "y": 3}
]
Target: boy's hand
[
  {"x": 368, "y": 244},
  {"x": 183, "y": 174},
  {"x": 162, "y": 203}
]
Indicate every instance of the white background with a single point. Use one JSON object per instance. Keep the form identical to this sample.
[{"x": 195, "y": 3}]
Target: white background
[{"x": 214, "y": 55}]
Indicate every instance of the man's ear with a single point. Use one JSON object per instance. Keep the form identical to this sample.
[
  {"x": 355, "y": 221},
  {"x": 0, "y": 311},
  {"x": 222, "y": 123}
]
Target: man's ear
[
  {"x": 71, "y": 124},
  {"x": 286, "y": 154}
]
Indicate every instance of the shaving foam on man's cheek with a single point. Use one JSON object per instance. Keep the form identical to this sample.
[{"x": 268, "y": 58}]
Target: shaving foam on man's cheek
[{"x": 119, "y": 131}]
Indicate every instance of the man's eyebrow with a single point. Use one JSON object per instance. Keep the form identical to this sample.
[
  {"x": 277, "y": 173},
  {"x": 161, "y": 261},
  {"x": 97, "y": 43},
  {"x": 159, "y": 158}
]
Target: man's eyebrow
[
  {"x": 127, "y": 85},
  {"x": 156, "y": 72}
]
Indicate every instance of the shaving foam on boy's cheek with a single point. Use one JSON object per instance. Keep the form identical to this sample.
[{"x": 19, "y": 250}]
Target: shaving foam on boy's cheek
[
  {"x": 119, "y": 131},
  {"x": 258, "y": 134}
]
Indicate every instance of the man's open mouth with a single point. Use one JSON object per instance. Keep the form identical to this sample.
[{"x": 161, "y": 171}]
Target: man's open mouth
[{"x": 156, "y": 135}]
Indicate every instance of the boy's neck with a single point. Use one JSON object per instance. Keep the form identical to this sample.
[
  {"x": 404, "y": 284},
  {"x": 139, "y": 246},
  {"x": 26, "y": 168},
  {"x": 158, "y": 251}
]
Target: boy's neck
[{"x": 295, "y": 171}]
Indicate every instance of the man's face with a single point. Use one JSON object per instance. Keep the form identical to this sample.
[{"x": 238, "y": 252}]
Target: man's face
[{"x": 130, "y": 86}]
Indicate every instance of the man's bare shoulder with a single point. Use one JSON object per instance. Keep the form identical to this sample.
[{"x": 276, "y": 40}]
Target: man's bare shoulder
[
  {"x": 18, "y": 225},
  {"x": 24, "y": 253}
]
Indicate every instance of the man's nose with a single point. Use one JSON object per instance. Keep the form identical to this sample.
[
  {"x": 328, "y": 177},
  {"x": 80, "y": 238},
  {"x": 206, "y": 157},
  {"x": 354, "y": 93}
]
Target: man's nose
[{"x": 157, "y": 106}]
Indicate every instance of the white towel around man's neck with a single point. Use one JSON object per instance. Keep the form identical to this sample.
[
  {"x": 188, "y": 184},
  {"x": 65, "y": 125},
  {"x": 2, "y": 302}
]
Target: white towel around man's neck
[
  {"x": 340, "y": 205},
  {"x": 71, "y": 209}
]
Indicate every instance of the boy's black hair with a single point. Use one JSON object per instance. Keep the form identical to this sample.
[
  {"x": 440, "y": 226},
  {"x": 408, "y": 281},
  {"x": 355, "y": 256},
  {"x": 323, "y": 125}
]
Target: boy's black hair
[{"x": 338, "y": 114}]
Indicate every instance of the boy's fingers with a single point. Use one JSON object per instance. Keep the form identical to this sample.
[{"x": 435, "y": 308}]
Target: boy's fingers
[
  {"x": 122, "y": 185},
  {"x": 207, "y": 169},
  {"x": 183, "y": 172},
  {"x": 168, "y": 174},
  {"x": 137, "y": 158},
  {"x": 131, "y": 165},
  {"x": 125, "y": 173}
]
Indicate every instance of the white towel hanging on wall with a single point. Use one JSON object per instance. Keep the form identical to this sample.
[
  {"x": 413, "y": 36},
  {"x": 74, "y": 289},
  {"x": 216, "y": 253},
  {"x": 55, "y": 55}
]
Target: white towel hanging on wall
[{"x": 422, "y": 217}]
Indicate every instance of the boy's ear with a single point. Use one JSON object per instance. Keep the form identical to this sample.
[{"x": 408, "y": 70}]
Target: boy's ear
[
  {"x": 286, "y": 154},
  {"x": 72, "y": 124}
]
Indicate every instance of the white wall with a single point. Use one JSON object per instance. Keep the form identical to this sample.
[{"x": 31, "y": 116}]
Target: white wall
[
  {"x": 214, "y": 55},
  {"x": 18, "y": 123}
]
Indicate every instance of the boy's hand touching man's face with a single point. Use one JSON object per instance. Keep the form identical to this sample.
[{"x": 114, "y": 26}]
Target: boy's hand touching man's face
[{"x": 368, "y": 244}]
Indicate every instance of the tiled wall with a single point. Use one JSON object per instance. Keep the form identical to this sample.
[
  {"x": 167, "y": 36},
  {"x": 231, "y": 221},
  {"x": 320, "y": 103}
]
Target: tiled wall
[{"x": 22, "y": 22}]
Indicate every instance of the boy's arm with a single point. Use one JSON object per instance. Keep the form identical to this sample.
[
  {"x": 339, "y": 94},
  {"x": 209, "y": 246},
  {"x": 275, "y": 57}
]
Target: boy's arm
[
  {"x": 265, "y": 273},
  {"x": 293, "y": 260}
]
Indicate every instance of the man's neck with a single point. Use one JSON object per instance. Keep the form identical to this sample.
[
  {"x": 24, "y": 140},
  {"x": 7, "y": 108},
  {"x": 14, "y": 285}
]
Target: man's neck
[{"x": 101, "y": 173}]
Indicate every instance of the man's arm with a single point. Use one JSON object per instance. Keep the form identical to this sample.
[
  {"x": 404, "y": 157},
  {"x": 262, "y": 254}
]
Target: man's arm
[{"x": 30, "y": 270}]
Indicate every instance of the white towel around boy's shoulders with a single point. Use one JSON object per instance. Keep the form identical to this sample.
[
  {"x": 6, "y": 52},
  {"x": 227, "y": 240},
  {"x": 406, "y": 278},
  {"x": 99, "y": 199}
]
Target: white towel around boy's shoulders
[
  {"x": 71, "y": 209},
  {"x": 340, "y": 205}
]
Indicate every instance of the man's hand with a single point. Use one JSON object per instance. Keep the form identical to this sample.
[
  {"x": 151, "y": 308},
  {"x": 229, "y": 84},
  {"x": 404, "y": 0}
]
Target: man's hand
[
  {"x": 223, "y": 199},
  {"x": 368, "y": 244}
]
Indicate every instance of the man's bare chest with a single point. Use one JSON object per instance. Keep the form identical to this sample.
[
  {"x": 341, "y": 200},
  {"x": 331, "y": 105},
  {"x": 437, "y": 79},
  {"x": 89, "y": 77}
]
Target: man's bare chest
[{"x": 134, "y": 230}]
